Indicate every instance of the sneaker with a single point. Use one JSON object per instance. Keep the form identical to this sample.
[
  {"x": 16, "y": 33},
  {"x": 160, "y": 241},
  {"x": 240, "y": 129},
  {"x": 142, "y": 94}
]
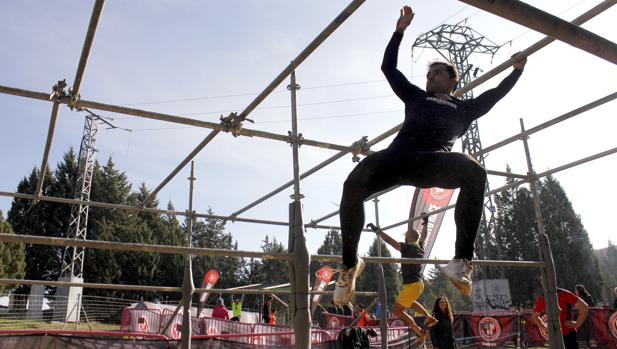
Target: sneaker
[
  {"x": 346, "y": 283},
  {"x": 459, "y": 272}
]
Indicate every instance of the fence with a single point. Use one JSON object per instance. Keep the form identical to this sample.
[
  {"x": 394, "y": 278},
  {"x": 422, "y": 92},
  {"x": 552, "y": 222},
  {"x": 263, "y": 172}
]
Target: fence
[{"x": 49, "y": 312}]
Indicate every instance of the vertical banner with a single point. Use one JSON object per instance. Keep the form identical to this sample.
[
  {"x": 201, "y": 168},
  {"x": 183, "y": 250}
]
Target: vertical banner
[
  {"x": 429, "y": 200},
  {"x": 324, "y": 276},
  {"x": 210, "y": 279}
]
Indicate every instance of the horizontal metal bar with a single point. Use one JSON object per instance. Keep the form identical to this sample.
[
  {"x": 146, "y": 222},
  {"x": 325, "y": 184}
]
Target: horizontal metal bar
[
  {"x": 169, "y": 289},
  {"x": 148, "y": 210},
  {"x": 168, "y": 118},
  {"x": 136, "y": 247},
  {"x": 554, "y": 121},
  {"x": 513, "y": 184},
  {"x": 596, "y": 10},
  {"x": 147, "y": 248},
  {"x": 506, "y": 174},
  {"x": 543, "y": 22},
  {"x": 389, "y": 260}
]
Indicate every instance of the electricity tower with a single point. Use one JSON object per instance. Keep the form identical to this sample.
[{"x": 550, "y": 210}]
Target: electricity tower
[{"x": 456, "y": 43}]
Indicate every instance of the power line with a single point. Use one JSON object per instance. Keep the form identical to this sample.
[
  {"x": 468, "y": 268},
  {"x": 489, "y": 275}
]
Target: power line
[{"x": 251, "y": 93}]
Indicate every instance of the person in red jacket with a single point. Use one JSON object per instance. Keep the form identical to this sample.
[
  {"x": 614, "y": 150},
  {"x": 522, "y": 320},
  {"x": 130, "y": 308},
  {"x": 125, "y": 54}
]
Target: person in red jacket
[
  {"x": 568, "y": 302},
  {"x": 219, "y": 311}
]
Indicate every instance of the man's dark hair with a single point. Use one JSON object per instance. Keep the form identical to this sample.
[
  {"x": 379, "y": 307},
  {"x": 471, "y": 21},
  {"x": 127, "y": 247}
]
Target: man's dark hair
[{"x": 450, "y": 68}]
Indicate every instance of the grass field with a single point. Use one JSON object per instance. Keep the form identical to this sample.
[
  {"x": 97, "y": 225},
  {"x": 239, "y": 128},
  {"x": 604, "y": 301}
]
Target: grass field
[{"x": 12, "y": 324}]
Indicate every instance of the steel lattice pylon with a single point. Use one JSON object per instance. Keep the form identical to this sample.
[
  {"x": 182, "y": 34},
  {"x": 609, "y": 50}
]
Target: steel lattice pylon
[
  {"x": 73, "y": 257},
  {"x": 457, "y": 43}
]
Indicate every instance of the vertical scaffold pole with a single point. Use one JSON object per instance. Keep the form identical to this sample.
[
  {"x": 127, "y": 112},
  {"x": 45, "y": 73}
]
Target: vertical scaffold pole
[
  {"x": 555, "y": 337},
  {"x": 299, "y": 265},
  {"x": 188, "y": 288},
  {"x": 383, "y": 295}
]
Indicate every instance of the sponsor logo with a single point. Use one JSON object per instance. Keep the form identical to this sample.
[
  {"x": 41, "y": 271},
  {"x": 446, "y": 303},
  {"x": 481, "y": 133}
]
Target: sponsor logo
[
  {"x": 612, "y": 324},
  {"x": 334, "y": 322},
  {"x": 489, "y": 329},
  {"x": 442, "y": 101},
  {"x": 439, "y": 194}
]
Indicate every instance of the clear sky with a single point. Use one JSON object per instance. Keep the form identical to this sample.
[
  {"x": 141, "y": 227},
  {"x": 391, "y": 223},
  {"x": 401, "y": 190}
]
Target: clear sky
[{"x": 202, "y": 59}]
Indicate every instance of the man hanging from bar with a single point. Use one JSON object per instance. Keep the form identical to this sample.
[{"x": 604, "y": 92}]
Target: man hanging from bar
[{"x": 421, "y": 156}]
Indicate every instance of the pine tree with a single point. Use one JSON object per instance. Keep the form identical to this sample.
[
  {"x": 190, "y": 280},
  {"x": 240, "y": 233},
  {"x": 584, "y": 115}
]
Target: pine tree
[
  {"x": 210, "y": 233},
  {"x": 575, "y": 262},
  {"x": 12, "y": 256},
  {"x": 43, "y": 219},
  {"x": 608, "y": 265}
]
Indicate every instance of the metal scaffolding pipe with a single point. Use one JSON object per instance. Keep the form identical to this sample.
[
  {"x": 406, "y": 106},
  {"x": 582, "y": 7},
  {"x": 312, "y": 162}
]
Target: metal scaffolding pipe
[
  {"x": 601, "y": 7},
  {"x": 543, "y": 22},
  {"x": 348, "y": 11},
  {"x": 505, "y": 174},
  {"x": 277, "y": 81},
  {"x": 500, "y": 144},
  {"x": 313, "y": 170},
  {"x": 155, "y": 288},
  {"x": 85, "y": 52},
  {"x": 136, "y": 247},
  {"x": 515, "y": 184},
  {"x": 168, "y": 118},
  {"x": 548, "y": 273},
  {"x": 50, "y": 137},
  {"x": 551, "y": 122},
  {"x": 147, "y": 248},
  {"x": 183, "y": 163},
  {"x": 148, "y": 210}
]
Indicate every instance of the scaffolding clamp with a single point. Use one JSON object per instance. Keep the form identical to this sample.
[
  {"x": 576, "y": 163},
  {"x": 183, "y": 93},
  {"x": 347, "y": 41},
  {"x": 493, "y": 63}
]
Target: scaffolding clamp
[
  {"x": 58, "y": 91},
  {"x": 233, "y": 123},
  {"x": 360, "y": 147},
  {"x": 74, "y": 99},
  {"x": 291, "y": 139}
]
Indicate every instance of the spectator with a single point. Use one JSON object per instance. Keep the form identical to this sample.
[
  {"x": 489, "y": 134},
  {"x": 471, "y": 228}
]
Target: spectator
[
  {"x": 567, "y": 301},
  {"x": 362, "y": 315},
  {"x": 442, "y": 334},
  {"x": 347, "y": 310},
  {"x": 581, "y": 291},
  {"x": 267, "y": 310},
  {"x": 272, "y": 317},
  {"x": 236, "y": 308},
  {"x": 333, "y": 309},
  {"x": 219, "y": 311}
]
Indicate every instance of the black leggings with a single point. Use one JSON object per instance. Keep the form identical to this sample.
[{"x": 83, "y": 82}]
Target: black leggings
[{"x": 402, "y": 164}]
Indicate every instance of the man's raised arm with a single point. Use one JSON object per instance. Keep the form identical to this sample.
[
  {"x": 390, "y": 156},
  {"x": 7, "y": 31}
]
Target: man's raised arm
[{"x": 399, "y": 83}]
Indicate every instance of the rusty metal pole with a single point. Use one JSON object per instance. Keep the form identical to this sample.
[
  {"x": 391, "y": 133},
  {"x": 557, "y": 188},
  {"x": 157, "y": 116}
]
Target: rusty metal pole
[
  {"x": 299, "y": 265},
  {"x": 548, "y": 272},
  {"x": 543, "y": 22}
]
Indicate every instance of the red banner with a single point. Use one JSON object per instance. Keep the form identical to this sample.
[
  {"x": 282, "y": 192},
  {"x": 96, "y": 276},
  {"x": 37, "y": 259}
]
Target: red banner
[
  {"x": 323, "y": 277},
  {"x": 429, "y": 200},
  {"x": 210, "y": 279},
  {"x": 493, "y": 331}
]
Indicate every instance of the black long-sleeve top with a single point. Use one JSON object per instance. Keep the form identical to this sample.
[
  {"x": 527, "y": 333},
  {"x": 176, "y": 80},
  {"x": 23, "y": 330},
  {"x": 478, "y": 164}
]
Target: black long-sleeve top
[
  {"x": 442, "y": 334},
  {"x": 432, "y": 123}
]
